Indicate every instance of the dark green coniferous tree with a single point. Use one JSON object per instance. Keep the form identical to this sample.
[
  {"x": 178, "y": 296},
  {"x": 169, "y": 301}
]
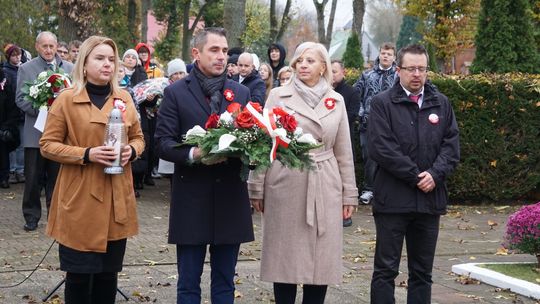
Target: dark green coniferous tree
[
  {"x": 352, "y": 58},
  {"x": 408, "y": 33},
  {"x": 505, "y": 39}
]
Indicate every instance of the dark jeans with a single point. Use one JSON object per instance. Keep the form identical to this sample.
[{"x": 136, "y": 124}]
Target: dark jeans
[
  {"x": 4, "y": 162},
  {"x": 369, "y": 165},
  {"x": 420, "y": 231},
  {"x": 190, "y": 267},
  {"x": 286, "y": 293},
  {"x": 39, "y": 172}
]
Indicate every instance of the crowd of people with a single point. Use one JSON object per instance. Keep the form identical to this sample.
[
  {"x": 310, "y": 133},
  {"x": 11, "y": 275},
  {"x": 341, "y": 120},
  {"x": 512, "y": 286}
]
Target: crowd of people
[{"x": 407, "y": 131}]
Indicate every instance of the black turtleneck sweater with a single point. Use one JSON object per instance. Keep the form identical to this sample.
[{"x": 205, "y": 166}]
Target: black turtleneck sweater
[{"x": 98, "y": 93}]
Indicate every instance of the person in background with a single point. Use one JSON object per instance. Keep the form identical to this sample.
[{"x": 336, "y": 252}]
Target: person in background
[
  {"x": 152, "y": 70},
  {"x": 232, "y": 66},
  {"x": 92, "y": 213},
  {"x": 9, "y": 133},
  {"x": 63, "y": 50},
  {"x": 37, "y": 169},
  {"x": 413, "y": 137},
  {"x": 13, "y": 55},
  {"x": 267, "y": 76},
  {"x": 370, "y": 83},
  {"x": 74, "y": 50},
  {"x": 249, "y": 76},
  {"x": 284, "y": 75},
  {"x": 134, "y": 72},
  {"x": 209, "y": 201},
  {"x": 302, "y": 220},
  {"x": 352, "y": 104},
  {"x": 276, "y": 58},
  {"x": 176, "y": 70}
]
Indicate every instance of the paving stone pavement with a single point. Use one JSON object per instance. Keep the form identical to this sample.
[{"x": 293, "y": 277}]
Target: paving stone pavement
[{"x": 150, "y": 263}]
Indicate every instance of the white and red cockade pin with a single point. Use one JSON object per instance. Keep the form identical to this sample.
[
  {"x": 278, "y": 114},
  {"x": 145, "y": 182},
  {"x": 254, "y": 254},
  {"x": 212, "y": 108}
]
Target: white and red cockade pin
[
  {"x": 433, "y": 119},
  {"x": 330, "y": 103},
  {"x": 229, "y": 95}
]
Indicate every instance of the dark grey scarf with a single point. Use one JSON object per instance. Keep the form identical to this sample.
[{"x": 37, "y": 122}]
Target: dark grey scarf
[{"x": 211, "y": 87}]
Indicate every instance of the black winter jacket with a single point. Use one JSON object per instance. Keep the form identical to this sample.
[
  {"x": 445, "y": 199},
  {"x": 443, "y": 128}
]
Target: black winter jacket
[
  {"x": 404, "y": 141},
  {"x": 256, "y": 86}
]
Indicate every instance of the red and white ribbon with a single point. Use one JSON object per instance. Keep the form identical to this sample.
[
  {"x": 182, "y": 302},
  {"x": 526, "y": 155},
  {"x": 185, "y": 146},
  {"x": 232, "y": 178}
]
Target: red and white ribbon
[{"x": 267, "y": 122}]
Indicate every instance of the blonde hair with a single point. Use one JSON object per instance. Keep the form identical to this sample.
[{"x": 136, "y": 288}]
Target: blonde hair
[
  {"x": 269, "y": 82},
  {"x": 78, "y": 74},
  {"x": 321, "y": 51},
  {"x": 285, "y": 69}
]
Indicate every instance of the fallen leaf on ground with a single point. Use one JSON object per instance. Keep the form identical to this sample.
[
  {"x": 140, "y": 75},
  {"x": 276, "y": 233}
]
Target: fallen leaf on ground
[
  {"x": 238, "y": 294},
  {"x": 467, "y": 280},
  {"x": 492, "y": 224},
  {"x": 502, "y": 251}
]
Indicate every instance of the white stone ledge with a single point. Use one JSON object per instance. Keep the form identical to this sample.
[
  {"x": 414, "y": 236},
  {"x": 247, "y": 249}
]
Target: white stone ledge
[{"x": 494, "y": 278}]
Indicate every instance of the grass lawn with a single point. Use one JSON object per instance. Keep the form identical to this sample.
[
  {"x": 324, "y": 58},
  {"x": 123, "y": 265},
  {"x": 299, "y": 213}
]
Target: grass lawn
[{"x": 525, "y": 272}]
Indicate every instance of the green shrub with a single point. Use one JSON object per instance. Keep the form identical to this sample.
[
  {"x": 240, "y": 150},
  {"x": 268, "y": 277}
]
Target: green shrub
[{"x": 499, "y": 121}]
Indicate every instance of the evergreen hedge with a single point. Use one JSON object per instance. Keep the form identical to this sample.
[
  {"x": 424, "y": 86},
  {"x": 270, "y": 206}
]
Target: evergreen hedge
[{"x": 499, "y": 120}]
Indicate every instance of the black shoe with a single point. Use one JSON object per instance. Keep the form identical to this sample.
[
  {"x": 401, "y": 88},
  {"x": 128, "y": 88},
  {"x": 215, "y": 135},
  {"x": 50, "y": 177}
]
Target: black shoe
[
  {"x": 137, "y": 194},
  {"x": 347, "y": 222},
  {"x": 138, "y": 185},
  {"x": 30, "y": 226},
  {"x": 149, "y": 181},
  {"x": 4, "y": 184}
]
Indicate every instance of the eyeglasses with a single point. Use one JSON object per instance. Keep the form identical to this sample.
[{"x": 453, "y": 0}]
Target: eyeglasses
[{"x": 412, "y": 69}]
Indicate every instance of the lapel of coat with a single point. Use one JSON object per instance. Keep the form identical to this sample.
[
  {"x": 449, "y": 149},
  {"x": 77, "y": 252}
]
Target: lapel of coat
[
  {"x": 97, "y": 115},
  {"x": 195, "y": 89},
  {"x": 321, "y": 109}
]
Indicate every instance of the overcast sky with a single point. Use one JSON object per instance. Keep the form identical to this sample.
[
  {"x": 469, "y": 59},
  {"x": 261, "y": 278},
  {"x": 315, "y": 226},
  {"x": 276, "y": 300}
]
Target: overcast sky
[{"x": 343, "y": 10}]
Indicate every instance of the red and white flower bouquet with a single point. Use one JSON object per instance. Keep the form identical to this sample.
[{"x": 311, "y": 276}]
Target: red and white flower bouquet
[
  {"x": 43, "y": 91},
  {"x": 256, "y": 136}
]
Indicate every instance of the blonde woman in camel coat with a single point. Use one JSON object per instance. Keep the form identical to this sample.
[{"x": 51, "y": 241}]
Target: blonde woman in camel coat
[{"x": 303, "y": 211}]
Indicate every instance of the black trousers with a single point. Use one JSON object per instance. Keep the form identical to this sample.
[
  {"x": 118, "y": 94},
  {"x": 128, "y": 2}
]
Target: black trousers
[
  {"x": 370, "y": 166},
  {"x": 39, "y": 172},
  {"x": 420, "y": 231},
  {"x": 286, "y": 293}
]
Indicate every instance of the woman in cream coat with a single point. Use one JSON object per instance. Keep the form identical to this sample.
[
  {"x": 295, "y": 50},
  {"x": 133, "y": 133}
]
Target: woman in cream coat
[
  {"x": 92, "y": 213},
  {"x": 303, "y": 211}
]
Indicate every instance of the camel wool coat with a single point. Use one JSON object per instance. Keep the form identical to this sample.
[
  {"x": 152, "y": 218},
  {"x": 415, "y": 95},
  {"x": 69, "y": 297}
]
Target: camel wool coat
[
  {"x": 89, "y": 207},
  {"x": 303, "y": 210}
]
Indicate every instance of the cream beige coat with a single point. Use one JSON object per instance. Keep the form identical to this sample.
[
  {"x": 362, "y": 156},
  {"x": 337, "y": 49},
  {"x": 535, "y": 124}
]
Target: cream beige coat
[
  {"x": 88, "y": 206},
  {"x": 302, "y": 219}
]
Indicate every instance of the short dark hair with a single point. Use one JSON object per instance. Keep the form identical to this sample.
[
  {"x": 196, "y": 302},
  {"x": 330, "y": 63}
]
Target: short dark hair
[
  {"x": 388, "y": 46},
  {"x": 63, "y": 44},
  {"x": 75, "y": 44},
  {"x": 199, "y": 40},
  {"x": 338, "y": 61},
  {"x": 417, "y": 49}
]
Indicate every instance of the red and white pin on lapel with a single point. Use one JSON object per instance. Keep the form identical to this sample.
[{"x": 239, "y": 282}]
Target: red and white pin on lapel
[
  {"x": 229, "y": 95},
  {"x": 330, "y": 103},
  {"x": 433, "y": 118}
]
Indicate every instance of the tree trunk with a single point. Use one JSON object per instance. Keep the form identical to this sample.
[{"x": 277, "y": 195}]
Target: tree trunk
[
  {"x": 146, "y": 5},
  {"x": 234, "y": 21},
  {"x": 67, "y": 28},
  {"x": 330, "y": 27},
  {"x": 285, "y": 20},
  {"x": 186, "y": 36},
  {"x": 133, "y": 21},
  {"x": 273, "y": 21},
  {"x": 358, "y": 17},
  {"x": 320, "y": 19}
]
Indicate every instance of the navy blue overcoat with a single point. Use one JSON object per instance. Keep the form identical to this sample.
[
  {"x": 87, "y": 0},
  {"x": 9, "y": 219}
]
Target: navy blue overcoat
[{"x": 209, "y": 204}]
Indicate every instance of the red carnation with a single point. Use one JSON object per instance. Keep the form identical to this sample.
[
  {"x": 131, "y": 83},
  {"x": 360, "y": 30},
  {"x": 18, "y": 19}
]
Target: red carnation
[
  {"x": 212, "y": 121},
  {"x": 245, "y": 119},
  {"x": 288, "y": 122},
  {"x": 234, "y": 107},
  {"x": 257, "y": 106},
  {"x": 50, "y": 101}
]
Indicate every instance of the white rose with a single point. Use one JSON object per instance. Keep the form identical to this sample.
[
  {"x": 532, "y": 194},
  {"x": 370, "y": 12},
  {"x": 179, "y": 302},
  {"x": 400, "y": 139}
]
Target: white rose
[
  {"x": 281, "y": 132},
  {"x": 225, "y": 141},
  {"x": 307, "y": 139},
  {"x": 226, "y": 118},
  {"x": 42, "y": 75},
  {"x": 195, "y": 131},
  {"x": 48, "y": 85},
  {"x": 34, "y": 91},
  {"x": 298, "y": 132}
]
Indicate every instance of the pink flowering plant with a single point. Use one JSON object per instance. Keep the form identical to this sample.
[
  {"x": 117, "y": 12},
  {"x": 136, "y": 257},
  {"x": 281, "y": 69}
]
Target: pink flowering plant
[{"x": 523, "y": 230}]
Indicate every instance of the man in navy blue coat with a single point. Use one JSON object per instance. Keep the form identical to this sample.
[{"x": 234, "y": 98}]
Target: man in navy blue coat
[
  {"x": 209, "y": 201},
  {"x": 249, "y": 76}
]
